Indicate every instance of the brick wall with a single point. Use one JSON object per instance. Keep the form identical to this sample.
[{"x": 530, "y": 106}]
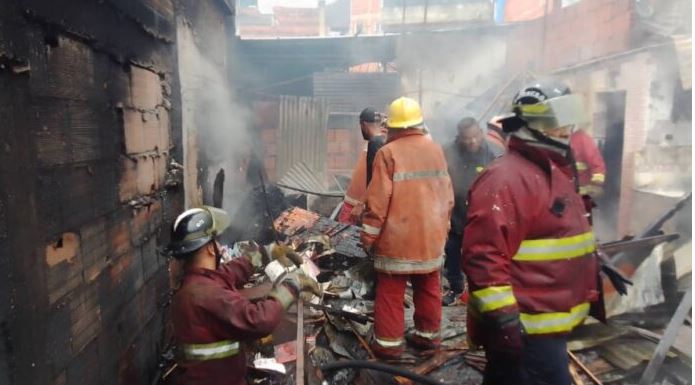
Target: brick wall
[
  {"x": 647, "y": 79},
  {"x": 89, "y": 121},
  {"x": 343, "y": 145},
  {"x": 580, "y": 32}
]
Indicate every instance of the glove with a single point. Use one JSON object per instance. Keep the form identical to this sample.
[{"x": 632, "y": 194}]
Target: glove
[
  {"x": 253, "y": 253},
  {"x": 301, "y": 283},
  {"x": 285, "y": 255},
  {"x": 596, "y": 191},
  {"x": 503, "y": 335},
  {"x": 288, "y": 287},
  {"x": 356, "y": 213}
]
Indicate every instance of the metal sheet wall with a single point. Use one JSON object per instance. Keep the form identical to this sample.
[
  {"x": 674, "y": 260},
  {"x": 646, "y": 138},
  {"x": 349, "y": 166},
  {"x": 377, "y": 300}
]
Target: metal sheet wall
[
  {"x": 351, "y": 91},
  {"x": 302, "y": 134}
]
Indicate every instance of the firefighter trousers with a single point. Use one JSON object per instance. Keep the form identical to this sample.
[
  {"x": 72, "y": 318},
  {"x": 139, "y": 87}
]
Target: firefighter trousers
[
  {"x": 544, "y": 361},
  {"x": 389, "y": 318},
  {"x": 453, "y": 262}
]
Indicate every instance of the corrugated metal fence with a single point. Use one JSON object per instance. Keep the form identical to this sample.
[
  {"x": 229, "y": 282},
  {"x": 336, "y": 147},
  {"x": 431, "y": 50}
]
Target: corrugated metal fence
[
  {"x": 302, "y": 134},
  {"x": 350, "y": 92}
]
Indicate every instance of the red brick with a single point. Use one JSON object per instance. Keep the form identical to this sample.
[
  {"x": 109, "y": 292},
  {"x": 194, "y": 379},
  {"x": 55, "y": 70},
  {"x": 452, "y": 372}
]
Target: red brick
[
  {"x": 332, "y": 147},
  {"x": 146, "y": 220},
  {"x": 64, "y": 249},
  {"x": 119, "y": 237},
  {"x": 270, "y": 149},
  {"x": 120, "y": 266},
  {"x": 268, "y": 135},
  {"x": 141, "y": 176},
  {"x": 85, "y": 315},
  {"x": 142, "y": 131},
  {"x": 164, "y": 124},
  {"x": 146, "y": 176},
  {"x": 342, "y": 135},
  {"x": 146, "y": 89}
]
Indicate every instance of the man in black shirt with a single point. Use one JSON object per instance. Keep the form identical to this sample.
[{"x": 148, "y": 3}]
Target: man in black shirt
[
  {"x": 466, "y": 157},
  {"x": 371, "y": 125}
]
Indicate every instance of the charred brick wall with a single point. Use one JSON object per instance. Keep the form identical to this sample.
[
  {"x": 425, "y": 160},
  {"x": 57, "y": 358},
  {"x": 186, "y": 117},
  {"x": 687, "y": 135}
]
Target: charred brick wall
[{"x": 90, "y": 122}]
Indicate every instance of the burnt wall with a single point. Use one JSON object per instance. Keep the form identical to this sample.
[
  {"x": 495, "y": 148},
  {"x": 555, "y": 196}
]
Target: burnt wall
[{"x": 89, "y": 122}]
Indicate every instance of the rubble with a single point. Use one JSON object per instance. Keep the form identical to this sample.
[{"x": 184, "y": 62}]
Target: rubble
[{"x": 326, "y": 341}]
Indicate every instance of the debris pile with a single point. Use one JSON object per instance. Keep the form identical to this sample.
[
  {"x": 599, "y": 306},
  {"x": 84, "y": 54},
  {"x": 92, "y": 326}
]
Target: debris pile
[{"x": 325, "y": 340}]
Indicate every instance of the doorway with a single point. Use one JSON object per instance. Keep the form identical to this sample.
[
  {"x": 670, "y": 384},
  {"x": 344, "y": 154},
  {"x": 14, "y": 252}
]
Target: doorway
[{"x": 609, "y": 132}]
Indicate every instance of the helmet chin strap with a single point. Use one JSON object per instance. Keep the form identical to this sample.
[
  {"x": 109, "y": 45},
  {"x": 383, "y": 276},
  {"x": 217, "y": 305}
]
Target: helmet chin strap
[
  {"x": 542, "y": 138},
  {"x": 218, "y": 255}
]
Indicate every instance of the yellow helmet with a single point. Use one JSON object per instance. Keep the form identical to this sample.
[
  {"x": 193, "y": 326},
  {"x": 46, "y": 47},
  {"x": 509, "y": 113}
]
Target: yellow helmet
[{"x": 404, "y": 113}]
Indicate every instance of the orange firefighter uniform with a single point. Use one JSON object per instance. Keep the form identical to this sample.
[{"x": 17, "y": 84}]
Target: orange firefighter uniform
[{"x": 405, "y": 226}]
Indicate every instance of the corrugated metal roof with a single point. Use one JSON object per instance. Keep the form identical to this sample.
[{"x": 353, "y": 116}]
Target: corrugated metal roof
[
  {"x": 302, "y": 178},
  {"x": 352, "y": 92},
  {"x": 302, "y": 134}
]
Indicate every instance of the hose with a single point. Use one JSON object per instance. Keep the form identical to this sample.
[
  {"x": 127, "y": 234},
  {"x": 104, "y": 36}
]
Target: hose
[{"x": 361, "y": 364}]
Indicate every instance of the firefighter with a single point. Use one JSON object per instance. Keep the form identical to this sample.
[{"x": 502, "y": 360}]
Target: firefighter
[
  {"x": 405, "y": 224},
  {"x": 591, "y": 169},
  {"x": 372, "y": 132},
  {"x": 211, "y": 318},
  {"x": 528, "y": 249}
]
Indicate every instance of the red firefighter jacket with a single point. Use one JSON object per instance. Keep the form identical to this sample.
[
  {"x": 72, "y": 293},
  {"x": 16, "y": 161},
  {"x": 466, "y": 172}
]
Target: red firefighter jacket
[
  {"x": 354, "y": 195},
  {"x": 408, "y": 205},
  {"x": 528, "y": 248},
  {"x": 591, "y": 169},
  {"x": 496, "y": 139},
  {"x": 212, "y": 320}
]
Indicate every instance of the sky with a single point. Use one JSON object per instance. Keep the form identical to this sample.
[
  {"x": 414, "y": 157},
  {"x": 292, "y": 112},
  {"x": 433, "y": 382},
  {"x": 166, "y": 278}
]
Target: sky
[{"x": 266, "y": 6}]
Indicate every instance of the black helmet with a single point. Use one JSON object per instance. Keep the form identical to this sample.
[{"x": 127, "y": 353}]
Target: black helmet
[
  {"x": 540, "y": 91},
  {"x": 544, "y": 103},
  {"x": 195, "y": 228}
]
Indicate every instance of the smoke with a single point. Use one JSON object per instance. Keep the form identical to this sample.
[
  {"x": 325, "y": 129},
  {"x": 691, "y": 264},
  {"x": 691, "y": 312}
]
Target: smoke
[
  {"x": 219, "y": 119},
  {"x": 450, "y": 73}
]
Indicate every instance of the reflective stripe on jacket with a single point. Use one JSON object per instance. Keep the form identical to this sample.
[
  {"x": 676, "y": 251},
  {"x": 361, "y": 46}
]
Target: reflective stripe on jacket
[
  {"x": 211, "y": 351},
  {"x": 408, "y": 205},
  {"x": 212, "y": 319},
  {"x": 528, "y": 248},
  {"x": 591, "y": 169}
]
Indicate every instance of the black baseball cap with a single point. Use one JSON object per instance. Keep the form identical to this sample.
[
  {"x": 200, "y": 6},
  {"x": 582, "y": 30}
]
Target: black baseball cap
[{"x": 369, "y": 115}]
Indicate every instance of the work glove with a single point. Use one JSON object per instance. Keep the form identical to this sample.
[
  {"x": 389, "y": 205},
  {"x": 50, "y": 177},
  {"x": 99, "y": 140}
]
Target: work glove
[
  {"x": 253, "y": 253},
  {"x": 284, "y": 254},
  {"x": 301, "y": 283},
  {"x": 289, "y": 286},
  {"x": 356, "y": 213},
  {"x": 503, "y": 335}
]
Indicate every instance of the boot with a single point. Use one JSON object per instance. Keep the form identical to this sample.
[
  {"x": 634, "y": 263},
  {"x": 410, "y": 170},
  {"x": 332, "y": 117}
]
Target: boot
[
  {"x": 423, "y": 343},
  {"x": 449, "y": 299},
  {"x": 384, "y": 353}
]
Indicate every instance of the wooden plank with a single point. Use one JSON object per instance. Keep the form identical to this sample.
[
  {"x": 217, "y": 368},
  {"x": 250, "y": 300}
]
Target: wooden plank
[
  {"x": 576, "y": 378},
  {"x": 669, "y": 338},
  {"x": 438, "y": 359},
  {"x": 581, "y": 366},
  {"x": 299, "y": 380}
]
